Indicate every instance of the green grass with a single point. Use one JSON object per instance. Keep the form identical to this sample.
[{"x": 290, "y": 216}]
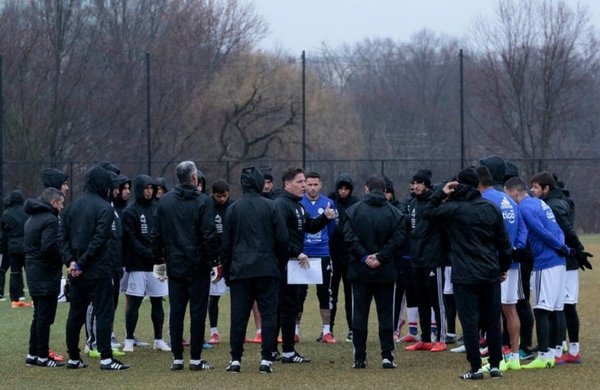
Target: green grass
[{"x": 331, "y": 367}]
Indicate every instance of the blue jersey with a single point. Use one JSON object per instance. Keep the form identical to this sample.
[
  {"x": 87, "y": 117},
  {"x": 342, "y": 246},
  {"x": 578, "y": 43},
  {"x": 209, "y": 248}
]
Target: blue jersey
[
  {"x": 317, "y": 244},
  {"x": 545, "y": 236},
  {"x": 513, "y": 221}
]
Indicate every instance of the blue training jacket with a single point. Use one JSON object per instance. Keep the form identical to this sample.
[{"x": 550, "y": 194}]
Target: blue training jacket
[{"x": 317, "y": 244}]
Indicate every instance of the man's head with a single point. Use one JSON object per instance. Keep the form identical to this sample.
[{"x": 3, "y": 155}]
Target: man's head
[
  {"x": 485, "y": 177},
  {"x": 542, "y": 183},
  {"x": 421, "y": 181},
  {"x": 187, "y": 173},
  {"x": 161, "y": 186},
  {"x": 313, "y": 185},
  {"x": 220, "y": 191},
  {"x": 55, "y": 178},
  {"x": 468, "y": 177},
  {"x": 375, "y": 183},
  {"x": 390, "y": 193},
  {"x": 344, "y": 185},
  {"x": 268, "y": 175},
  {"x": 497, "y": 167},
  {"x": 294, "y": 181},
  {"x": 516, "y": 188},
  {"x": 125, "y": 191},
  {"x": 54, "y": 197}
]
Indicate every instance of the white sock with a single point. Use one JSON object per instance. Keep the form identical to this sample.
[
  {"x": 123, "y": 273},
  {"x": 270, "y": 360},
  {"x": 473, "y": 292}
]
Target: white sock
[
  {"x": 177, "y": 361},
  {"x": 515, "y": 356},
  {"x": 558, "y": 351},
  {"x": 288, "y": 354},
  {"x": 42, "y": 359},
  {"x": 266, "y": 362},
  {"x": 106, "y": 361},
  {"x": 565, "y": 346},
  {"x": 297, "y": 329},
  {"x": 214, "y": 330},
  {"x": 71, "y": 361},
  {"x": 258, "y": 331},
  {"x": 31, "y": 356},
  {"x": 235, "y": 363},
  {"x": 326, "y": 329},
  {"x": 574, "y": 349},
  {"x": 195, "y": 362},
  {"x": 112, "y": 334},
  {"x": 547, "y": 355}
]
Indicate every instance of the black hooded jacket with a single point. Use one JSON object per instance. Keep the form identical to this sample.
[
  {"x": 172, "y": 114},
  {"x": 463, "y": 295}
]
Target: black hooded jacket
[
  {"x": 42, "y": 253},
  {"x": 337, "y": 248},
  {"x": 374, "y": 226},
  {"x": 419, "y": 230},
  {"x": 254, "y": 234},
  {"x": 564, "y": 217},
  {"x": 87, "y": 228},
  {"x": 53, "y": 178},
  {"x": 479, "y": 247},
  {"x": 138, "y": 223},
  {"x": 184, "y": 233},
  {"x": 12, "y": 224},
  {"x": 219, "y": 211}
]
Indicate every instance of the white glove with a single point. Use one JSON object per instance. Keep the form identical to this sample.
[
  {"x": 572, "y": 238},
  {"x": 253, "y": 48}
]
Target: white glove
[{"x": 160, "y": 272}]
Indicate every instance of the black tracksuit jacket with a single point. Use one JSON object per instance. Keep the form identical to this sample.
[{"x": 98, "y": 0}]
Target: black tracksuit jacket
[{"x": 11, "y": 225}]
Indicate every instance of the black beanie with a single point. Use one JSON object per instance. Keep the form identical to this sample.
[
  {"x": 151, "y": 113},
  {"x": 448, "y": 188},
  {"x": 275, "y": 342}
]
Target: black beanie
[
  {"x": 468, "y": 177},
  {"x": 423, "y": 176}
]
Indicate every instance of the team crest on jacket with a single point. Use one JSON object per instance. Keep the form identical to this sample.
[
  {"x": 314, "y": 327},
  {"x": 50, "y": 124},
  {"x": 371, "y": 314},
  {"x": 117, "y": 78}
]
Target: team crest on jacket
[{"x": 508, "y": 212}]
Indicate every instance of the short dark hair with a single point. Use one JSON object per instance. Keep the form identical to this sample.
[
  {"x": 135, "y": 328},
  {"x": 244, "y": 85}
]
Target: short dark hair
[
  {"x": 375, "y": 182},
  {"x": 485, "y": 176},
  {"x": 220, "y": 186},
  {"x": 313, "y": 175},
  {"x": 544, "y": 179},
  {"x": 290, "y": 173},
  {"x": 185, "y": 170},
  {"x": 515, "y": 183},
  {"x": 51, "y": 194}
]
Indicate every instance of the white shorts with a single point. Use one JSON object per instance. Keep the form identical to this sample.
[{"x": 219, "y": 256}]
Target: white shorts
[
  {"x": 448, "y": 289},
  {"x": 548, "y": 288},
  {"x": 124, "y": 281},
  {"x": 512, "y": 288},
  {"x": 219, "y": 288},
  {"x": 145, "y": 283},
  {"x": 572, "y": 287}
]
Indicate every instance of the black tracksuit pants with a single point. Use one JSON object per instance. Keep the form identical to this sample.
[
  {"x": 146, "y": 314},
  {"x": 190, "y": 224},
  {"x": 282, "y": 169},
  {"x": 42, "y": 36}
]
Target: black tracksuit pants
[
  {"x": 17, "y": 263},
  {"x": 288, "y": 309},
  {"x": 181, "y": 291},
  {"x": 44, "y": 311},
  {"x": 100, "y": 293},
  {"x": 340, "y": 274},
  {"x": 478, "y": 305},
  {"x": 362, "y": 295},
  {"x": 265, "y": 291}
]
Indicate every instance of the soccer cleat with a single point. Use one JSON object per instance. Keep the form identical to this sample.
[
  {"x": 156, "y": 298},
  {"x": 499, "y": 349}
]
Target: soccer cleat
[
  {"x": 410, "y": 338},
  {"x": 349, "y": 337},
  {"x": 234, "y": 367},
  {"x": 265, "y": 369},
  {"x": 129, "y": 343},
  {"x": 19, "y": 304},
  {"x": 116, "y": 352},
  {"x": 161, "y": 345},
  {"x": 459, "y": 349},
  {"x": 387, "y": 363},
  {"x": 114, "y": 365},
  {"x": 558, "y": 361},
  {"x": 31, "y": 360},
  {"x": 359, "y": 364},
  {"x": 139, "y": 343},
  {"x": 450, "y": 339},
  {"x": 53, "y": 355},
  {"x": 510, "y": 364},
  {"x": 177, "y": 367},
  {"x": 506, "y": 350},
  {"x": 296, "y": 358},
  {"x": 472, "y": 375},
  {"x": 571, "y": 359},
  {"x": 214, "y": 338},
  {"x": 495, "y": 372},
  {"x": 256, "y": 340},
  {"x": 525, "y": 354},
  {"x": 202, "y": 366},
  {"x": 540, "y": 363},
  {"x": 275, "y": 356},
  {"x": 206, "y": 345},
  {"x": 420, "y": 346},
  {"x": 329, "y": 339},
  {"x": 93, "y": 353},
  {"x": 76, "y": 364},
  {"x": 438, "y": 347},
  {"x": 114, "y": 343},
  {"x": 49, "y": 363}
]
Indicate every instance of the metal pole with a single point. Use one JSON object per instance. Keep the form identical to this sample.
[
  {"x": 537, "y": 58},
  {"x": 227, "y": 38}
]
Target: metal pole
[
  {"x": 462, "y": 112},
  {"x": 1, "y": 134},
  {"x": 303, "y": 109},
  {"x": 148, "y": 117}
]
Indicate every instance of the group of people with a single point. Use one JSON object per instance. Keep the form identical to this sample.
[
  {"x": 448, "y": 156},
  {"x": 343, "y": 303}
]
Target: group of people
[{"x": 466, "y": 246}]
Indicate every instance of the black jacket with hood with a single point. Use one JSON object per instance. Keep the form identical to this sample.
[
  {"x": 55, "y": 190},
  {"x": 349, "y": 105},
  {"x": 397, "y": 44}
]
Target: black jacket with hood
[
  {"x": 12, "y": 224},
  {"x": 419, "y": 231},
  {"x": 219, "y": 211},
  {"x": 42, "y": 250},
  {"x": 337, "y": 248},
  {"x": 254, "y": 234},
  {"x": 184, "y": 233},
  {"x": 87, "y": 228},
  {"x": 53, "y": 178},
  {"x": 479, "y": 247},
  {"x": 138, "y": 223},
  {"x": 374, "y": 226}
]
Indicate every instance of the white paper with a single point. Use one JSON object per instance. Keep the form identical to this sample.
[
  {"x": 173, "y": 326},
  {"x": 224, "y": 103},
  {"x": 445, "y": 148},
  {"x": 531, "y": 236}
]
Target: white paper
[{"x": 299, "y": 275}]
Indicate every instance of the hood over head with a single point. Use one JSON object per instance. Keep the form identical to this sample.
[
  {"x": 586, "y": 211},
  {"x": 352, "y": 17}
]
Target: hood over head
[
  {"x": 16, "y": 198},
  {"x": 98, "y": 181},
  {"x": 497, "y": 168},
  {"x": 53, "y": 178},
  {"x": 36, "y": 205},
  {"x": 344, "y": 179},
  {"x": 267, "y": 172},
  {"x": 389, "y": 187},
  {"x": 109, "y": 167},
  {"x": 252, "y": 180},
  {"x": 139, "y": 183},
  {"x": 161, "y": 182}
]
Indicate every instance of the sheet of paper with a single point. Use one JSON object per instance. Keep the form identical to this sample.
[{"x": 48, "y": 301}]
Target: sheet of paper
[{"x": 299, "y": 275}]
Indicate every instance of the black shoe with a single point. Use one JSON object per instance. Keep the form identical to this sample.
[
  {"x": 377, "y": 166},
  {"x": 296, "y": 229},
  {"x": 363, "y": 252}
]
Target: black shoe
[
  {"x": 234, "y": 366},
  {"x": 177, "y": 367},
  {"x": 359, "y": 364},
  {"x": 472, "y": 375},
  {"x": 31, "y": 361},
  {"x": 450, "y": 339},
  {"x": 495, "y": 372},
  {"x": 77, "y": 364},
  {"x": 349, "y": 337},
  {"x": 388, "y": 363},
  {"x": 320, "y": 338},
  {"x": 49, "y": 363},
  {"x": 276, "y": 356},
  {"x": 296, "y": 358},
  {"x": 114, "y": 365},
  {"x": 203, "y": 365},
  {"x": 265, "y": 369}
]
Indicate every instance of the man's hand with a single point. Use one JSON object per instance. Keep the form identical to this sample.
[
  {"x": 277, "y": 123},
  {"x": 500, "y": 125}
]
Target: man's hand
[
  {"x": 503, "y": 276},
  {"x": 303, "y": 260},
  {"x": 582, "y": 260},
  {"x": 372, "y": 261},
  {"x": 160, "y": 272},
  {"x": 329, "y": 212},
  {"x": 450, "y": 187},
  {"x": 74, "y": 269}
]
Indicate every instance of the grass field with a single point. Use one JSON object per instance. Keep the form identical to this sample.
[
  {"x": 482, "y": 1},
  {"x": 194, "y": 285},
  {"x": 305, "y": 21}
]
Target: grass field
[{"x": 331, "y": 367}]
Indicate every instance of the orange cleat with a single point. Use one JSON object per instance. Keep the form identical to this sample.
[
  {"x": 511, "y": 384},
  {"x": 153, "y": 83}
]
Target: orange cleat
[
  {"x": 55, "y": 356},
  {"x": 420, "y": 346},
  {"x": 214, "y": 338},
  {"x": 438, "y": 347},
  {"x": 571, "y": 359},
  {"x": 328, "y": 339},
  {"x": 19, "y": 304}
]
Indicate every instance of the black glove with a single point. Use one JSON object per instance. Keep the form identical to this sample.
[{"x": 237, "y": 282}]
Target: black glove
[
  {"x": 565, "y": 251},
  {"x": 521, "y": 255},
  {"x": 582, "y": 260}
]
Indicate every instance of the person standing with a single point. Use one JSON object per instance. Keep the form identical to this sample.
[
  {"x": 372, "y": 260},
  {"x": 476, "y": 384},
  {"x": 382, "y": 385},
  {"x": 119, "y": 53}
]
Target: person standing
[
  {"x": 480, "y": 254},
  {"x": 374, "y": 231},
  {"x": 44, "y": 271},
  {"x": 86, "y": 251},
  {"x": 185, "y": 239},
  {"x": 254, "y": 238}
]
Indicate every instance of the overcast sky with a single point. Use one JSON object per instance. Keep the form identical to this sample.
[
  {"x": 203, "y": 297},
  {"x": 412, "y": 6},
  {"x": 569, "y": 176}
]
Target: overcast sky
[{"x": 296, "y": 25}]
